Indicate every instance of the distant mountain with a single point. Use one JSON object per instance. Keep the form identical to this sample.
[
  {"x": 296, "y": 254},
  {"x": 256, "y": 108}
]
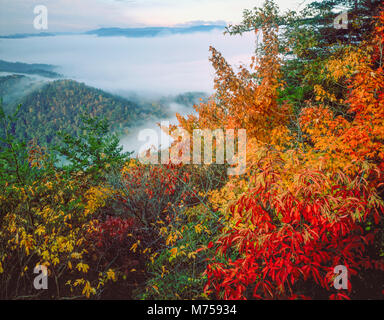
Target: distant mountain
[
  {"x": 144, "y": 32},
  {"x": 44, "y": 70},
  {"x": 30, "y": 35},
  {"x": 152, "y": 31}
]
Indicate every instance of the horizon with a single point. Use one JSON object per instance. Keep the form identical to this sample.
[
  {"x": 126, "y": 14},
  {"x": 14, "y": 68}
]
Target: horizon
[
  {"x": 59, "y": 33},
  {"x": 16, "y": 16}
]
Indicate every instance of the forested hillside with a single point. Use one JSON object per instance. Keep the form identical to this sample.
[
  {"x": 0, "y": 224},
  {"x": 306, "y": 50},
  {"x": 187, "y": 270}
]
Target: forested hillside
[
  {"x": 44, "y": 70},
  {"x": 58, "y": 105},
  {"x": 13, "y": 87},
  {"x": 8, "y": 82}
]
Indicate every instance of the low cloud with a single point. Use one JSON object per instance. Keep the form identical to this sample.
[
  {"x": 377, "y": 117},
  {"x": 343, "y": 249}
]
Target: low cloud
[{"x": 160, "y": 65}]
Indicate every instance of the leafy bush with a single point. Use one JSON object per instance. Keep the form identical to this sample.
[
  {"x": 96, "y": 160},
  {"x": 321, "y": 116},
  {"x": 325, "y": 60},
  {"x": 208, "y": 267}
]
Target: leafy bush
[
  {"x": 177, "y": 271},
  {"x": 47, "y": 214}
]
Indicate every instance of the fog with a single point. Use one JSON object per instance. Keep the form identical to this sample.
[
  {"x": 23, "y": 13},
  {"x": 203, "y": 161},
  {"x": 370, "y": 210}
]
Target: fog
[
  {"x": 147, "y": 67},
  {"x": 131, "y": 142},
  {"x": 161, "y": 65}
]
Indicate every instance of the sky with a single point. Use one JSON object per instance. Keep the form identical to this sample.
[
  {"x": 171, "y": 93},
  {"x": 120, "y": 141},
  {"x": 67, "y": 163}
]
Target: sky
[{"x": 16, "y": 16}]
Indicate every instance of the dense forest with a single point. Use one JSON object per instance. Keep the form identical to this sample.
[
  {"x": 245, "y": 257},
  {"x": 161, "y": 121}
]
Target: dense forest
[
  {"x": 58, "y": 105},
  {"x": 55, "y": 106},
  {"x": 44, "y": 70},
  {"x": 106, "y": 225},
  {"x": 8, "y": 83}
]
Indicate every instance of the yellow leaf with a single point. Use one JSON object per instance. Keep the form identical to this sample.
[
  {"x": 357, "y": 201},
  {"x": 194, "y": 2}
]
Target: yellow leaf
[
  {"x": 111, "y": 275},
  {"x": 82, "y": 267},
  {"x": 173, "y": 252}
]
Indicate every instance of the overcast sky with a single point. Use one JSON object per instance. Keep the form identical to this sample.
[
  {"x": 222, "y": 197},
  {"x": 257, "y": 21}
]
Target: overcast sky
[{"x": 17, "y": 16}]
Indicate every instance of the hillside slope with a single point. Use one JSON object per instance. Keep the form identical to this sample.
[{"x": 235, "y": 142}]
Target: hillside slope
[
  {"x": 58, "y": 105},
  {"x": 44, "y": 70}
]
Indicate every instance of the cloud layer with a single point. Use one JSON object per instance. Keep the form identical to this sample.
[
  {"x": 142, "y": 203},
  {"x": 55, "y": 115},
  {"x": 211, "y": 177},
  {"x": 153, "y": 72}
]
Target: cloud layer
[
  {"x": 162, "y": 65},
  {"x": 16, "y": 16}
]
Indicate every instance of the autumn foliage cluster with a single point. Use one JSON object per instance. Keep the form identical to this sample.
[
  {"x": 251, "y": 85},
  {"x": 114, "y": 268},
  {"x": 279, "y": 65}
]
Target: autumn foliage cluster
[{"x": 314, "y": 181}]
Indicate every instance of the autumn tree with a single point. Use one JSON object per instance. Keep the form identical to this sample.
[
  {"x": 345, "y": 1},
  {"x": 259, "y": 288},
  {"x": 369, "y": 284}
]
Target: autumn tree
[
  {"x": 247, "y": 99},
  {"x": 312, "y": 200}
]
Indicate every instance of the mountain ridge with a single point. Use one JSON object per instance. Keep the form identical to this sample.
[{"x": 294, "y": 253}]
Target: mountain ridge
[
  {"x": 44, "y": 70},
  {"x": 56, "y": 105},
  {"x": 141, "y": 32}
]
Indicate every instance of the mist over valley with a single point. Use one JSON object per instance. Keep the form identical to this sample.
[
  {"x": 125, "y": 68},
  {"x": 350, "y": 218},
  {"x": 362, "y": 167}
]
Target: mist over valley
[{"x": 145, "y": 70}]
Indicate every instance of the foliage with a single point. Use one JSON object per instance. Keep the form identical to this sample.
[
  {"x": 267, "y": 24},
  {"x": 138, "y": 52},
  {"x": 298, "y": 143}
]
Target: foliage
[
  {"x": 58, "y": 105},
  {"x": 94, "y": 152},
  {"x": 177, "y": 272},
  {"x": 287, "y": 236},
  {"x": 168, "y": 203},
  {"x": 14, "y": 167},
  {"x": 47, "y": 214},
  {"x": 311, "y": 194}
]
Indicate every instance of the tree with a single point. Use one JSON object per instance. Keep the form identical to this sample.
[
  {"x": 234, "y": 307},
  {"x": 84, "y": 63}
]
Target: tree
[
  {"x": 247, "y": 99},
  {"x": 315, "y": 204},
  {"x": 94, "y": 151},
  {"x": 308, "y": 38}
]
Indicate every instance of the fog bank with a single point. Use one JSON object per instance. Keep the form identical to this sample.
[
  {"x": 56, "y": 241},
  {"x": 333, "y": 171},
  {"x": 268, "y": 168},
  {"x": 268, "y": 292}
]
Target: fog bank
[{"x": 161, "y": 65}]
